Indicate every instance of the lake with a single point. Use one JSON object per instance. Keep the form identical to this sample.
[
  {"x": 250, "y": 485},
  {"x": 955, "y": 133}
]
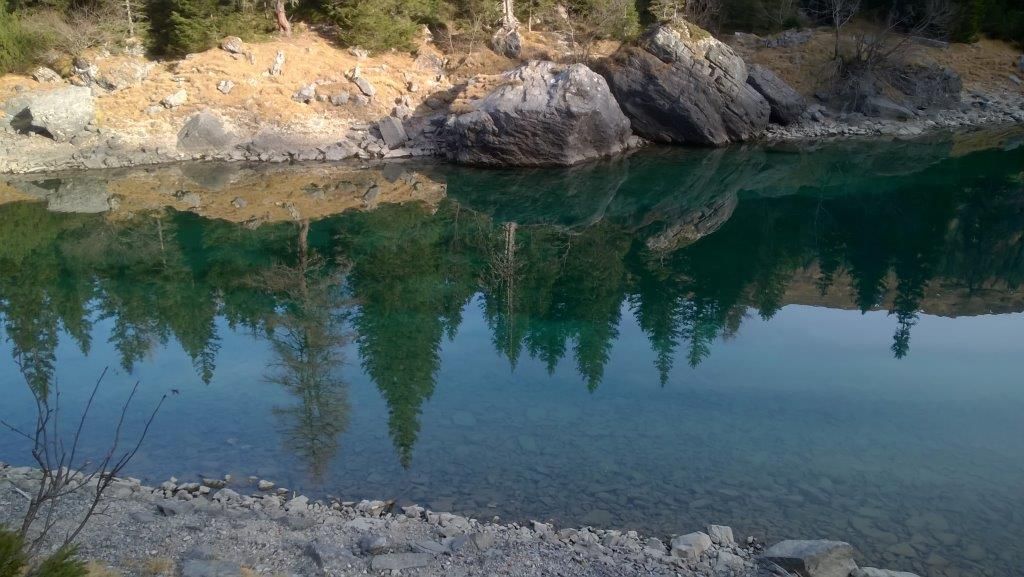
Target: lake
[{"x": 803, "y": 342}]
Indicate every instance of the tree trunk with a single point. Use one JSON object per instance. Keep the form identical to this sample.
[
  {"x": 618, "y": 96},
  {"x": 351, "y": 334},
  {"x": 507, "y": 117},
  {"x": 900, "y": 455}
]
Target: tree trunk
[
  {"x": 508, "y": 15},
  {"x": 283, "y": 26}
]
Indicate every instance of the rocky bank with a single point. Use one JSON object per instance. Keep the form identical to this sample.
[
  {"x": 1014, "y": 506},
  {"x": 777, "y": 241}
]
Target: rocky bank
[
  {"x": 302, "y": 99},
  {"x": 219, "y": 527}
]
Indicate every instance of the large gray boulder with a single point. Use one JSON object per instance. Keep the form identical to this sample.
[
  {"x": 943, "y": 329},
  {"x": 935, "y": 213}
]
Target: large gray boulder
[
  {"x": 542, "y": 114},
  {"x": 786, "y": 104},
  {"x": 679, "y": 84},
  {"x": 59, "y": 114},
  {"x": 812, "y": 558},
  {"x": 204, "y": 131}
]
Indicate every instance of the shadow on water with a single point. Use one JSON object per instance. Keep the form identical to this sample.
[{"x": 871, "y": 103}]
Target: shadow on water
[{"x": 318, "y": 263}]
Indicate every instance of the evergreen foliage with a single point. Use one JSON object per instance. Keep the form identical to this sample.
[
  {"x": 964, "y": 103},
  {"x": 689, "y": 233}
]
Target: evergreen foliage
[
  {"x": 384, "y": 24},
  {"x": 13, "y": 559},
  {"x": 63, "y": 563},
  {"x": 18, "y": 45}
]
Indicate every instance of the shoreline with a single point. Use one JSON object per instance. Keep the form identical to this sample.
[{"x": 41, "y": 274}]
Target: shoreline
[
  {"x": 223, "y": 527},
  {"x": 35, "y": 154}
]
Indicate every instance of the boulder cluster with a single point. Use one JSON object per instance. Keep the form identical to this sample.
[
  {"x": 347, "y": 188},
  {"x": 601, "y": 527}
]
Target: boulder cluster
[{"x": 678, "y": 84}]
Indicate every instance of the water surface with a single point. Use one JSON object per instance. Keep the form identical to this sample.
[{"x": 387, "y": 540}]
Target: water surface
[{"x": 821, "y": 344}]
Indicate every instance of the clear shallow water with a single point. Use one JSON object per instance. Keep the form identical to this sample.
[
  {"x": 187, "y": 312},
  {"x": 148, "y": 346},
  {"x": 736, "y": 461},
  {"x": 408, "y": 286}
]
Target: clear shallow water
[{"x": 817, "y": 344}]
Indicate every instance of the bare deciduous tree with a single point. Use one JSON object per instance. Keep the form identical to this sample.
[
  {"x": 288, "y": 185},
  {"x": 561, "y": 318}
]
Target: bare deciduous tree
[
  {"x": 902, "y": 27},
  {"x": 838, "y": 13},
  {"x": 704, "y": 12},
  {"x": 65, "y": 471}
]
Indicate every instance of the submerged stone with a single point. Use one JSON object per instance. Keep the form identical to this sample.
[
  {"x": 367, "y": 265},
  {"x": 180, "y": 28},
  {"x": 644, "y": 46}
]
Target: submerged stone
[{"x": 812, "y": 558}]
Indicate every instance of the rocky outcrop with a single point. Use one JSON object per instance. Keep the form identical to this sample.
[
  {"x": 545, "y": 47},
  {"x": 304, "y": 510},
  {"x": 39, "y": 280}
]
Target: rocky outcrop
[
  {"x": 681, "y": 85},
  {"x": 541, "y": 115},
  {"x": 59, "y": 114},
  {"x": 785, "y": 103}
]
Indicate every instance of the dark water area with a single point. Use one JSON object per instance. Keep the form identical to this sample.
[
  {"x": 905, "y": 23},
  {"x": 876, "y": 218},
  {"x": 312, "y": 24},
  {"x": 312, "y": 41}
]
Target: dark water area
[{"x": 804, "y": 343}]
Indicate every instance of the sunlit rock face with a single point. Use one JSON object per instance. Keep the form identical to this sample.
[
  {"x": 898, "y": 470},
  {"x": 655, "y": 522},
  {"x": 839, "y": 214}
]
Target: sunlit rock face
[
  {"x": 540, "y": 114},
  {"x": 681, "y": 85}
]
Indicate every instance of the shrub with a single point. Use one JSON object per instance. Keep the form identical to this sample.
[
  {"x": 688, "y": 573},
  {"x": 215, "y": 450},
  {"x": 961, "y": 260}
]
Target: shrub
[
  {"x": 12, "y": 556},
  {"x": 18, "y": 45},
  {"x": 63, "y": 563},
  {"x": 180, "y": 27},
  {"x": 384, "y": 24}
]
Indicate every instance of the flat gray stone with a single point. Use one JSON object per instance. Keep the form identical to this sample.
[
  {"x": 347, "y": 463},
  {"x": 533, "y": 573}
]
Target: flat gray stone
[
  {"x": 813, "y": 558},
  {"x": 691, "y": 546},
  {"x": 331, "y": 557},
  {"x": 365, "y": 86},
  {"x": 392, "y": 131},
  {"x": 373, "y": 544},
  {"x": 429, "y": 547},
  {"x": 400, "y": 561}
]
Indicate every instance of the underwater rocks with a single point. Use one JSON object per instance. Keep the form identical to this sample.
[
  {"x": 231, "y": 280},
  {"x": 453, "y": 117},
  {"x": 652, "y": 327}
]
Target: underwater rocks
[{"x": 812, "y": 558}]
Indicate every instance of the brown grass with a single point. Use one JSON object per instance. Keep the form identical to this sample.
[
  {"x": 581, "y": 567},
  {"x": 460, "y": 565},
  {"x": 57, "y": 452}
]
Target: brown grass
[
  {"x": 96, "y": 569},
  {"x": 984, "y": 66},
  {"x": 157, "y": 567}
]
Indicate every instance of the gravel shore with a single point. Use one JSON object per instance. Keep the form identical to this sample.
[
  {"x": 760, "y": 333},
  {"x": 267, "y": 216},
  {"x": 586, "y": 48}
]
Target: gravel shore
[{"x": 222, "y": 528}]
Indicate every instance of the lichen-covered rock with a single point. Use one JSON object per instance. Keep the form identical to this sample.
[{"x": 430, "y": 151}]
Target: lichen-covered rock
[
  {"x": 785, "y": 103},
  {"x": 541, "y": 115},
  {"x": 679, "y": 84}
]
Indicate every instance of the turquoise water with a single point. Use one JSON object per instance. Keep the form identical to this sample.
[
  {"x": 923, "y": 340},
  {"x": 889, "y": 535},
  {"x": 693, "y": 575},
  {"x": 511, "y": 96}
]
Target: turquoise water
[{"x": 818, "y": 344}]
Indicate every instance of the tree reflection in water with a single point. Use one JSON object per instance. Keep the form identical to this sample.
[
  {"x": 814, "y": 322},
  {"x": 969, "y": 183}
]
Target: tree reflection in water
[{"x": 554, "y": 258}]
